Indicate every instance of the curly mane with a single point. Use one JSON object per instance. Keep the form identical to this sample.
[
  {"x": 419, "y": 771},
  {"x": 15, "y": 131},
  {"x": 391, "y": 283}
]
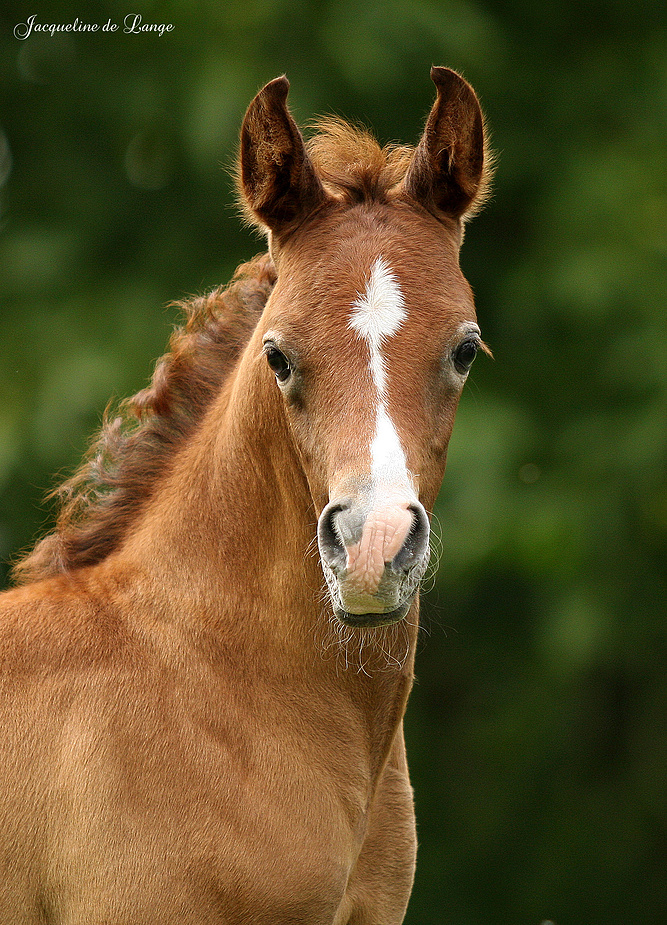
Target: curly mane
[{"x": 136, "y": 444}]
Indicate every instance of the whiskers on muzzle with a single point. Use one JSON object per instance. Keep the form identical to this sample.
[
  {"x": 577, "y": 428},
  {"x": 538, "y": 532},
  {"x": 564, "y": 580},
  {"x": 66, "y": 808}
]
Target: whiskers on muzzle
[
  {"x": 365, "y": 650},
  {"x": 368, "y": 648}
]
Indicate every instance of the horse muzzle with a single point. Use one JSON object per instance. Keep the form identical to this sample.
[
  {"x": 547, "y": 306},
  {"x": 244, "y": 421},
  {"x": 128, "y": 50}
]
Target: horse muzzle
[{"x": 374, "y": 552}]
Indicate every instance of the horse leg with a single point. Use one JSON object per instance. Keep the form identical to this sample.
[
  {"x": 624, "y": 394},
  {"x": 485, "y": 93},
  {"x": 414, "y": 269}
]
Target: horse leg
[{"x": 380, "y": 885}]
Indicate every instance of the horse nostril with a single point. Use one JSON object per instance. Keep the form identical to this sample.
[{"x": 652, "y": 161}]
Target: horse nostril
[
  {"x": 331, "y": 546},
  {"x": 340, "y": 526},
  {"x": 416, "y": 543},
  {"x": 343, "y": 525}
]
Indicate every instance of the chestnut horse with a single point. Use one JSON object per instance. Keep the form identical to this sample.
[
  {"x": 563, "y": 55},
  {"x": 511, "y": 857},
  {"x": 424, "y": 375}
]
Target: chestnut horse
[{"x": 195, "y": 726}]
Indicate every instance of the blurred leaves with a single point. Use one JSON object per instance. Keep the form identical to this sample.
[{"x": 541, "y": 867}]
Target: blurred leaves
[{"x": 537, "y": 726}]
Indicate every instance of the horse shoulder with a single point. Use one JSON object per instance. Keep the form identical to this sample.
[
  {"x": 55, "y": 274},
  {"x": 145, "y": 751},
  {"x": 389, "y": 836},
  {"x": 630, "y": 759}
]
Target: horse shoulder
[{"x": 56, "y": 641}]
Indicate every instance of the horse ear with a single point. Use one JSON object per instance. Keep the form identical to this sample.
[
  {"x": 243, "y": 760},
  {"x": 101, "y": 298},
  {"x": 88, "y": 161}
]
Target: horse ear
[
  {"x": 447, "y": 171},
  {"x": 278, "y": 181}
]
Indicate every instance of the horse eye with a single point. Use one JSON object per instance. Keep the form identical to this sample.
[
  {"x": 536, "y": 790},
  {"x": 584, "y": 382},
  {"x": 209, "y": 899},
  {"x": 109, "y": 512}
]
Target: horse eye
[
  {"x": 278, "y": 362},
  {"x": 464, "y": 355}
]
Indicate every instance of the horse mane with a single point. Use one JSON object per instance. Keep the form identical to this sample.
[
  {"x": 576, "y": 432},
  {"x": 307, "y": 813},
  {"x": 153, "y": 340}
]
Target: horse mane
[
  {"x": 136, "y": 443},
  {"x": 352, "y": 164}
]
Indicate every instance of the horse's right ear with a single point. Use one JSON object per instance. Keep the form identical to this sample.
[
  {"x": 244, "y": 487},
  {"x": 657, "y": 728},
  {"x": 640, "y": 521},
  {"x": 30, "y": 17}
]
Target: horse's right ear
[
  {"x": 278, "y": 181},
  {"x": 448, "y": 173}
]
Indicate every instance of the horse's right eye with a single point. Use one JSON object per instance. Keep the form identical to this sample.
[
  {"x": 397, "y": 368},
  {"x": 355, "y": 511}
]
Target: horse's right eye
[{"x": 278, "y": 362}]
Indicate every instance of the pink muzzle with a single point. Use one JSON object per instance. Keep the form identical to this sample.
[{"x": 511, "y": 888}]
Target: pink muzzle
[{"x": 374, "y": 553}]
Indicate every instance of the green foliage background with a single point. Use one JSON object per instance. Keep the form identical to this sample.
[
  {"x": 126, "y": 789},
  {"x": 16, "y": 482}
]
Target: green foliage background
[{"x": 537, "y": 726}]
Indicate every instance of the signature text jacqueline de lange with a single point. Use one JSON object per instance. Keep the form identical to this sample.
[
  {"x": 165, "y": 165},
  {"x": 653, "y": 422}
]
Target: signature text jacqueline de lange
[{"x": 133, "y": 24}]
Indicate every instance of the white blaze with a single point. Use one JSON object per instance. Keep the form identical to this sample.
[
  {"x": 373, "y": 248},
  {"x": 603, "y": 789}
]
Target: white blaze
[
  {"x": 380, "y": 311},
  {"x": 376, "y": 316}
]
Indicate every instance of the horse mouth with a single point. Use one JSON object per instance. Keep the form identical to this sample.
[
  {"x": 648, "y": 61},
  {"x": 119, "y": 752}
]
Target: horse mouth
[
  {"x": 368, "y": 620},
  {"x": 388, "y": 605}
]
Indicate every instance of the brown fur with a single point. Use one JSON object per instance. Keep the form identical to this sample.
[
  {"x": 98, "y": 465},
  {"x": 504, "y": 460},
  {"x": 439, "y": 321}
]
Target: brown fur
[{"x": 187, "y": 734}]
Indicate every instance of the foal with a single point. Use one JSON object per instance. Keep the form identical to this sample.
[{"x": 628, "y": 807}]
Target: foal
[{"x": 178, "y": 743}]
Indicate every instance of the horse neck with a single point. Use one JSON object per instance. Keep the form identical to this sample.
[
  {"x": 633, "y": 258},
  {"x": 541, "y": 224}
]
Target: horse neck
[
  {"x": 229, "y": 541},
  {"x": 228, "y": 516}
]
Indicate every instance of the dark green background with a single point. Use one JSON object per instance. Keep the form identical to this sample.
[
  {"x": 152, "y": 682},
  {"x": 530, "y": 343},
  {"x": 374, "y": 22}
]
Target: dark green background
[{"x": 537, "y": 727}]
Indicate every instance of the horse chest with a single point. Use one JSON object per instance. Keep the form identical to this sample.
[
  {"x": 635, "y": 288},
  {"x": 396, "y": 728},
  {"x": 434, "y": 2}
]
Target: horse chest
[{"x": 207, "y": 821}]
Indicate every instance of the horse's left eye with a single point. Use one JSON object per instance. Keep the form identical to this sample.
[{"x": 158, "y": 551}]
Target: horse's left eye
[
  {"x": 464, "y": 355},
  {"x": 278, "y": 362}
]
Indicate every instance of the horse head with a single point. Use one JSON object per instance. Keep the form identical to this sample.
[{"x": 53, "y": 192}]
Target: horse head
[{"x": 370, "y": 330}]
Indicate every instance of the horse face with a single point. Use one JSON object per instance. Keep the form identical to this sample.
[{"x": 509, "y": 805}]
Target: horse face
[{"x": 369, "y": 332}]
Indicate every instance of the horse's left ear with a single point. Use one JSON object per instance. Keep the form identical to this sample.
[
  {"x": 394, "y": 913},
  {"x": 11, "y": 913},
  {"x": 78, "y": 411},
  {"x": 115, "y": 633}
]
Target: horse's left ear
[
  {"x": 447, "y": 172},
  {"x": 277, "y": 178}
]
